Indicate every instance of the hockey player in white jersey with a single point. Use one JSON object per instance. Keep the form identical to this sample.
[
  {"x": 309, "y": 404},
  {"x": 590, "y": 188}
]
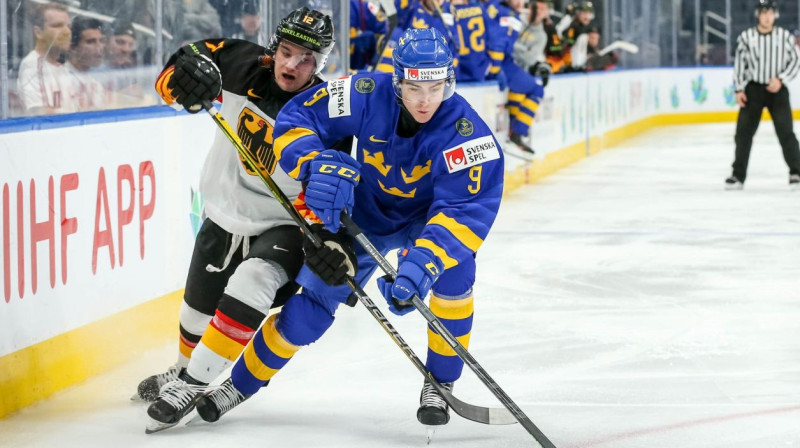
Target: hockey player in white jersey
[{"x": 248, "y": 251}]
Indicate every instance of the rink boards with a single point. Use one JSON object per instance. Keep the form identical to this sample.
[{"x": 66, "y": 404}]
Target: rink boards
[{"x": 98, "y": 211}]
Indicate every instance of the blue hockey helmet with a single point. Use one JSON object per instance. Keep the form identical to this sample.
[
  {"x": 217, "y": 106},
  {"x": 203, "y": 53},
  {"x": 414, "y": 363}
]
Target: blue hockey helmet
[{"x": 423, "y": 55}]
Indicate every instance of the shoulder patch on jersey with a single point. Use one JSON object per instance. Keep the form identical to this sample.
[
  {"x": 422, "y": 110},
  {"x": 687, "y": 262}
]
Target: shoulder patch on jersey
[
  {"x": 511, "y": 22},
  {"x": 464, "y": 127},
  {"x": 339, "y": 103},
  {"x": 471, "y": 153},
  {"x": 492, "y": 11},
  {"x": 373, "y": 8},
  {"x": 365, "y": 85},
  {"x": 448, "y": 19}
]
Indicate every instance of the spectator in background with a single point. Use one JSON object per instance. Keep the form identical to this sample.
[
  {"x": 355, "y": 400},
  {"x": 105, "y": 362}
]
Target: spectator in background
[
  {"x": 228, "y": 11},
  {"x": 200, "y": 21},
  {"x": 595, "y": 60},
  {"x": 121, "y": 46},
  {"x": 86, "y": 52},
  {"x": 576, "y": 39},
  {"x": 538, "y": 41},
  {"x": 120, "y": 78},
  {"x": 43, "y": 81},
  {"x": 250, "y": 24},
  {"x": 797, "y": 37},
  {"x": 566, "y": 19},
  {"x": 584, "y": 14},
  {"x": 87, "y": 44}
]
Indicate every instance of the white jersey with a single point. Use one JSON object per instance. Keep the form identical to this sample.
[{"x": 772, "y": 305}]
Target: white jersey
[
  {"x": 43, "y": 84},
  {"x": 236, "y": 199},
  {"x": 88, "y": 93}
]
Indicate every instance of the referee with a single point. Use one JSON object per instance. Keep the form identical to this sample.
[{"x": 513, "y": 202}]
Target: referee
[{"x": 766, "y": 58}]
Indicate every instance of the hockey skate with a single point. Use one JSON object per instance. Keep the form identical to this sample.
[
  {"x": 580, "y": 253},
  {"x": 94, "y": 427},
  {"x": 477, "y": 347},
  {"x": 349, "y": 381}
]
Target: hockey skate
[
  {"x": 733, "y": 183},
  {"x": 433, "y": 410},
  {"x": 218, "y": 400},
  {"x": 516, "y": 147},
  {"x": 794, "y": 182},
  {"x": 149, "y": 387},
  {"x": 176, "y": 399}
]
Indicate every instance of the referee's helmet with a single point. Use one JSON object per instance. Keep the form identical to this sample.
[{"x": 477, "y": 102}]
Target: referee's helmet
[{"x": 764, "y": 5}]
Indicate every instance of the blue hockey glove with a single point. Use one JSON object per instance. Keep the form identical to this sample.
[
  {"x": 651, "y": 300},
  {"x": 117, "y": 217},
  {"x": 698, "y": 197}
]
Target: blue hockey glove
[
  {"x": 329, "y": 191},
  {"x": 417, "y": 271}
]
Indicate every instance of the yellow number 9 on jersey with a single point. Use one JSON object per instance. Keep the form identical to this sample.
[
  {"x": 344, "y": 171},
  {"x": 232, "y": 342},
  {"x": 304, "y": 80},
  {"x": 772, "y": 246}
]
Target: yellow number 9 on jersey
[{"x": 475, "y": 176}]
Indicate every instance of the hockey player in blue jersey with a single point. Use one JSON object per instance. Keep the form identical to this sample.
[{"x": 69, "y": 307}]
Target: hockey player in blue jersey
[
  {"x": 424, "y": 14},
  {"x": 427, "y": 179},
  {"x": 524, "y": 91},
  {"x": 470, "y": 23},
  {"x": 367, "y": 29}
]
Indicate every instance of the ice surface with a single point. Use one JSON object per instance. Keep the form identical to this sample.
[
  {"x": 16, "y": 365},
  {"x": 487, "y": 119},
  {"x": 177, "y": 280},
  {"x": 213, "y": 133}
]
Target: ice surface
[{"x": 626, "y": 301}]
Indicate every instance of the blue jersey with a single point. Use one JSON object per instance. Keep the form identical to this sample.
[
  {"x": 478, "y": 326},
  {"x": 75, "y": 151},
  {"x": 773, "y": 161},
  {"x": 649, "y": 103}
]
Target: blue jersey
[
  {"x": 404, "y": 10},
  {"x": 447, "y": 177},
  {"x": 418, "y": 17},
  {"x": 421, "y": 18},
  {"x": 503, "y": 28},
  {"x": 367, "y": 28},
  {"x": 473, "y": 60}
]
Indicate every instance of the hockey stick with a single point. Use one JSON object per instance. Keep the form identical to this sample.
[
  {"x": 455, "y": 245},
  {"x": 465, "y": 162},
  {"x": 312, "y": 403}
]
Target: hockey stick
[
  {"x": 620, "y": 45},
  {"x": 439, "y": 13},
  {"x": 480, "y": 414},
  {"x": 391, "y": 16},
  {"x": 437, "y": 325}
]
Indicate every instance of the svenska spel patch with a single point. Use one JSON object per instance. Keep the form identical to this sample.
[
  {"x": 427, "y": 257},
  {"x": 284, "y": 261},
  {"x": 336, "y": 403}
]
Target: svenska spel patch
[
  {"x": 426, "y": 74},
  {"x": 471, "y": 153},
  {"x": 339, "y": 102}
]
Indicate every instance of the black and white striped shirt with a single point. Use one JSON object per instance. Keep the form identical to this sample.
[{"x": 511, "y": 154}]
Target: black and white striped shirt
[{"x": 761, "y": 57}]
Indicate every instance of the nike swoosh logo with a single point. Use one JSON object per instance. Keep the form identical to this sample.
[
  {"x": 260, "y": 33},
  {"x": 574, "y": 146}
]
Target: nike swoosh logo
[
  {"x": 280, "y": 248},
  {"x": 376, "y": 140},
  {"x": 250, "y": 93}
]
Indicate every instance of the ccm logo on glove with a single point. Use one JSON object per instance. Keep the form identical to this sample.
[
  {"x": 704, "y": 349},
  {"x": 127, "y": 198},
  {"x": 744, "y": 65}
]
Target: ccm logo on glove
[{"x": 342, "y": 171}]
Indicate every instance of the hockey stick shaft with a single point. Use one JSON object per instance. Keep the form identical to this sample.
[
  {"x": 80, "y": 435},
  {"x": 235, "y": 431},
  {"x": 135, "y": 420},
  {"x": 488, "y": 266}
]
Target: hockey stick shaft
[
  {"x": 471, "y": 412},
  {"x": 392, "y": 19},
  {"x": 620, "y": 45},
  {"x": 437, "y": 325},
  {"x": 450, "y": 36}
]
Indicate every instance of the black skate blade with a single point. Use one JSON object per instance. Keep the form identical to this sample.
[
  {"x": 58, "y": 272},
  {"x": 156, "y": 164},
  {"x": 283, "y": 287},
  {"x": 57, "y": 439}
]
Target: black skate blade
[
  {"x": 196, "y": 420},
  {"x": 154, "y": 426}
]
